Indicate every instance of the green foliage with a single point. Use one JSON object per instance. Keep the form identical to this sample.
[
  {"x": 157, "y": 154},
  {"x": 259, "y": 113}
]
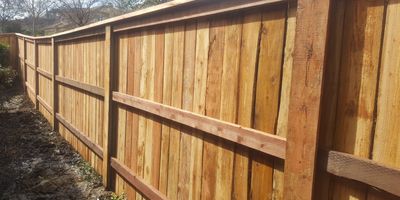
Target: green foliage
[
  {"x": 8, "y": 77},
  {"x": 4, "y": 55}
]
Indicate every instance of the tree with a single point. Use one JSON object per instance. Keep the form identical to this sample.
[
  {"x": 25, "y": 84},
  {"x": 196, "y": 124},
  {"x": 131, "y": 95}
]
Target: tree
[
  {"x": 8, "y": 11},
  {"x": 129, "y": 5},
  {"x": 78, "y": 12},
  {"x": 35, "y": 9}
]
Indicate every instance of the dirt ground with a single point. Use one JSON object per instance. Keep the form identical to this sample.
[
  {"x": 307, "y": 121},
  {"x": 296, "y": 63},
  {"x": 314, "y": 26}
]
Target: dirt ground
[{"x": 35, "y": 162}]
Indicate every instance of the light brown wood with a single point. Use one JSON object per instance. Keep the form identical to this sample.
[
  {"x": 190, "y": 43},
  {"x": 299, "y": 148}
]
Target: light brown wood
[
  {"x": 199, "y": 11},
  {"x": 107, "y": 116},
  {"x": 82, "y": 86},
  {"x": 44, "y": 73},
  {"x": 257, "y": 140},
  {"x": 81, "y": 136},
  {"x": 147, "y": 190},
  {"x": 36, "y": 60},
  {"x": 305, "y": 98},
  {"x": 364, "y": 170},
  {"x": 44, "y": 104}
]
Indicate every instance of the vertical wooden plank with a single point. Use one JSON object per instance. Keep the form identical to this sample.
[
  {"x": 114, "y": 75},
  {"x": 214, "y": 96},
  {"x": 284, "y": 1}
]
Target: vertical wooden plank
[
  {"x": 36, "y": 60},
  {"x": 213, "y": 101},
  {"x": 247, "y": 71},
  {"x": 199, "y": 104},
  {"x": 305, "y": 98},
  {"x": 386, "y": 142},
  {"x": 25, "y": 78},
  {"x": 143, "y": 93},
  {"x": 122, "y": 64},
  {"x": 267, "y": 96},
  {"x": 330, "y": 93},
  {"x": 357, "y": 86},
  {"x": 278, "y": 177},
  {"x": 54, "y": 57},
  {"x": 107, "y": 117},
  {"x": 228, "y": 105},
  {"x": 149, "y": 62},
  {"x": 158, "y": 96},
  {"x": 167, "y": 93},
  {"x": 187, "y": 104},
  {"x": 131, "y": 136},
  {"x": 176, "y": 101}
]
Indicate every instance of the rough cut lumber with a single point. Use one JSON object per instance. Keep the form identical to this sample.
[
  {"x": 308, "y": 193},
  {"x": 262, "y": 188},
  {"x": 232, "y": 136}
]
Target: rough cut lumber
[
  {"x": 44, "y": 73},
  {"x": 247, "y": 70},
  {"x": 258, "y": 140},
  {"x": 107, "y": 117},
  {"x": 81, "y": 136},
  {"x": 364, "y": 170},
  {"x": 147, "y": 190},
  {"x": 358, "y": 80},
  {"x": 198, "y": 12},
  {"x": 305, "y": 98},
  {"x": 44, "y": 104},
  {"x": 82, "y": 86},
  {"x": 54, "y": 85},
  {"x": 81, "y": 37}
]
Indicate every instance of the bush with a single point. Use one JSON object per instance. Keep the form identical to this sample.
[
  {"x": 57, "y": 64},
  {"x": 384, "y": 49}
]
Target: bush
[
  {"x": 4, "y": 55},
  {"x": 8, "y": 75}
]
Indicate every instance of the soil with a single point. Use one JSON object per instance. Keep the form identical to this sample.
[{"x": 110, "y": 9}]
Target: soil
[{"x": 35, "y": 162}]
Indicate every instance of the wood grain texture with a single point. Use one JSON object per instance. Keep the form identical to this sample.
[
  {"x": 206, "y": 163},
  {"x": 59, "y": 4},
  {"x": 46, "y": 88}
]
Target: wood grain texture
[
  {"x": 257, "y": 140},
  {"x": 363, "y": 170},
  {"x": 358, "y": 80},
  {"x": 304, "y": 109}
]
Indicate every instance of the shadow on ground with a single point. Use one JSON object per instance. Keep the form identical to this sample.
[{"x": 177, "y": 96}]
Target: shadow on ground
[{"x": 35, "y": 162}]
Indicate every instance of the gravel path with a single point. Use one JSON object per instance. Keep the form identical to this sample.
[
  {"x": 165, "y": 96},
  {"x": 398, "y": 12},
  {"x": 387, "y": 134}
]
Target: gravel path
[{"x": 36, "y": 163}]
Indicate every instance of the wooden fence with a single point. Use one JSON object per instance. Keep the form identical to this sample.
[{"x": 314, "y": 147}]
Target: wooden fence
[{"x": 230, "y": 99}]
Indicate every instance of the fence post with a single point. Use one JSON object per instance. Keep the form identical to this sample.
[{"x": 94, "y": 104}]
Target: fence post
[
  {"x": 108, "y": 86},
  {"x": 36, "y": 74},
  {"x": 305, "y": 98},
  {"x": 54, "y": 83},
  {"x": 24, "y": 78}
]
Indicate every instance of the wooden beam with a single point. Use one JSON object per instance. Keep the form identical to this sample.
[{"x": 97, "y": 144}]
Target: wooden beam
[
  {"x": 54, "y": 84},
  {"x": 197, "y": 12},
  {"x": 44, "y": 104},
  {"x": 36, "y": 57},
  {"x": 24, "y": 67},
  {"x": 254, "y": 139},
  {"x": 82, "y": 137},
  {"x": 30, "y": 65},
  {"x": 107, "y": 117},
  {"x": 82, "y": 86},
  {"x": 362, "y": 170},
  {"x": 44, "y": 73},
  {"x": 80, "y": 37},
  {"x": 29, "y": 87},
  {"x": 305, "y": 99},
  {"x": 145, "y": 189}
]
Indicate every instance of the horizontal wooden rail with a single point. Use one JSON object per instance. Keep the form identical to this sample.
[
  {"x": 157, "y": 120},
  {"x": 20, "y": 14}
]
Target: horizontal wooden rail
[
  {"x": 80, "y": 37},
  {"x": 201, "y": 12},
  {"x": 44, "y": 73},
  {"x": 44, "y": 104},
  {"x": 147, "y": 190},
  {"x": 362, "y": 170},
  {"x": 86, "y": 140},
  {"x": 254, "y": 139},
  {"x": 82, "y": 86},
  {"x": 30, "y": 65},
  {"x": 29, "y": 87}
]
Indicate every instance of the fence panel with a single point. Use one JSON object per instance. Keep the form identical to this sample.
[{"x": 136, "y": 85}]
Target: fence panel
[{"x": 191, "y": 101}]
